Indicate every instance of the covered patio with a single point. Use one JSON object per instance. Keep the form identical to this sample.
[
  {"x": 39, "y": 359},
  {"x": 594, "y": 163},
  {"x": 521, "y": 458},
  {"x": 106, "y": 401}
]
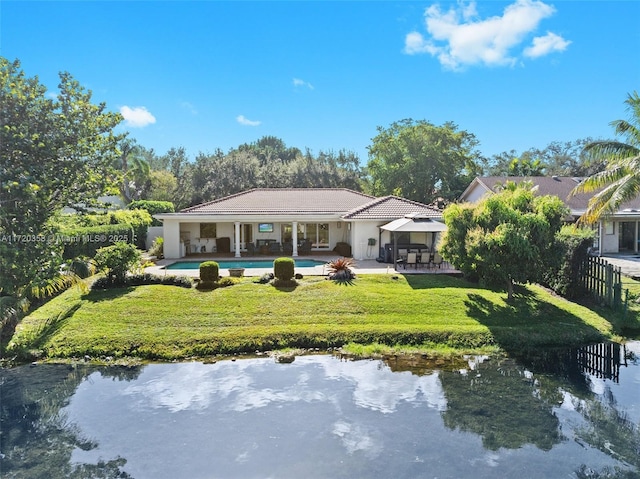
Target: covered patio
[{"x": 415, "y": 233}]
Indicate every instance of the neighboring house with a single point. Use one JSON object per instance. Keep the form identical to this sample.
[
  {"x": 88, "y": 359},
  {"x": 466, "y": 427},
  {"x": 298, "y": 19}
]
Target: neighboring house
[
  {"x": 322, "y": 216},
  {"x": 617, "y": 234}
]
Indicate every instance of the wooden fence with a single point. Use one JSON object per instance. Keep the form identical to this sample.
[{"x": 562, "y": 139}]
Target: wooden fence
[
  {"x": 603, "y": 281},
  {"x": 601, "y": 360}
]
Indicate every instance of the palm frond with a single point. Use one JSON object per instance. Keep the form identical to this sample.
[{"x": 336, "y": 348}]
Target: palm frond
[
  {"x": 610, "y": 150},
  {"x": 608, "y": 201}
]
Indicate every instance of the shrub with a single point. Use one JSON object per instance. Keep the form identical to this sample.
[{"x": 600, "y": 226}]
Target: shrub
[
  {"x": 209, "y": 272},
  {"x": 265, "y": 278},
  {"x": 117, "y": 260},
  {"x": 284, "y": 269},
  {"x": 227, "y": 281},
  {"x": 143, "y": 279},
  {"x": 570, "y": 250},
  {"x": 153, "y": 208},
  {"x": 83, "y": 267},
  {"x": 86, "y": 240},
  {"x": 340, "y": 269},
  {"x": 157, "y": 248}
]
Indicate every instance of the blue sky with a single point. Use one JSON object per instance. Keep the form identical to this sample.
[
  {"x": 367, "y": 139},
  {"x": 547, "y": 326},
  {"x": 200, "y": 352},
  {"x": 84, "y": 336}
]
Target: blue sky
[{"x": 324, "y": 75}]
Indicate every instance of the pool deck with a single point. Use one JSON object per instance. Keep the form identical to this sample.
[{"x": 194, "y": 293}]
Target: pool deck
[{"x": 364, "y": 266}]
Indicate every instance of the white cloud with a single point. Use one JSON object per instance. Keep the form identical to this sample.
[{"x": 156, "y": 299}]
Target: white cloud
[
  {"x": 137, "y": 117},
  {"x": 544, "y": 45},
  {"x": 245, "y": 121},
  {"x": 459, "y": 38},
  {"x": 298, "y": 82}
]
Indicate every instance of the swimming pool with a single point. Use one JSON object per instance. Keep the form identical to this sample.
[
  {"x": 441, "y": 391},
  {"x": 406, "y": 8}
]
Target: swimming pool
[{"x": 248, "y": 264}]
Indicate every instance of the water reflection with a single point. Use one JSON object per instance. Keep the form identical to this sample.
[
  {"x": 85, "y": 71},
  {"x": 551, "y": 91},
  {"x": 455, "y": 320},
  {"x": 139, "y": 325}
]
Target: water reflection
[{"x": 326, "y": 417}]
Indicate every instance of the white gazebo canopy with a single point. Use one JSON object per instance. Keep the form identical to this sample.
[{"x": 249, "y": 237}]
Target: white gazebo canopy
[{"x": 414, "y": 223}]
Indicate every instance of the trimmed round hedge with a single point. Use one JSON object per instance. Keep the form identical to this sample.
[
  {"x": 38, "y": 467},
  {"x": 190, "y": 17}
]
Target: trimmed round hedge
[
  {"x": 283, "y": 268},
  {"x": 209, "y": 271}
]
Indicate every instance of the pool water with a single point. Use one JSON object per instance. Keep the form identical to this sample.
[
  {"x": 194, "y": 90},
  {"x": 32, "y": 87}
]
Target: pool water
[{"x": 248, "y": 264}]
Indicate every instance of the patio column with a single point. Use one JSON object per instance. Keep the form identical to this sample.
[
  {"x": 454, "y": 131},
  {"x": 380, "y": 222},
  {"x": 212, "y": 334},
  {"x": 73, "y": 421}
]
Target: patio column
[
  {"x": 294, "y": 237},
  {"x": 237, "y": 238}
]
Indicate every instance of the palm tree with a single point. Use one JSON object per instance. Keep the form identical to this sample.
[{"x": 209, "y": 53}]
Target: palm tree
[
  {"x": 134, "y": 169},
  {"x": 620, "y": 181}
]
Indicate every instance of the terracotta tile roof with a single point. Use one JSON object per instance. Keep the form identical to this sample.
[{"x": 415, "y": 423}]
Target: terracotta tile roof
[
  {"x": 284, "y": 201},
  {"x": 390, "y": 207}
]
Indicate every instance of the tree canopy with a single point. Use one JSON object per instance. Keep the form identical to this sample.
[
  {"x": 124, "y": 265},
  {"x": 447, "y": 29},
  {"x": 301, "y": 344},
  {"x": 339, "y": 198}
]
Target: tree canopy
[
  {"x": 422, "y": 161},
  {"x": 55, "y": 152},
  {"x": 506, "y": 238}
]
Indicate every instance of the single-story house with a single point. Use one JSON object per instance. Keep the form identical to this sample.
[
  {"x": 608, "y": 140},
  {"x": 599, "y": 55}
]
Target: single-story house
[
  {"x": 320, "y": 217},
  {"x": 619, "y": 233}
]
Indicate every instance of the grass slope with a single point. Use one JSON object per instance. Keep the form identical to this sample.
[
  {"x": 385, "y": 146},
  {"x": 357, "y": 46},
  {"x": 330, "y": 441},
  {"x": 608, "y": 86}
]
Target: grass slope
[{"x": 167, "y": 322}]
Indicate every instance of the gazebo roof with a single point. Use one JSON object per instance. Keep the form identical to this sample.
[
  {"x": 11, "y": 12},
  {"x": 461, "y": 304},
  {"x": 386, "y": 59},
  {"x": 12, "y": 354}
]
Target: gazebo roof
[{"x": 414, "y": 223}]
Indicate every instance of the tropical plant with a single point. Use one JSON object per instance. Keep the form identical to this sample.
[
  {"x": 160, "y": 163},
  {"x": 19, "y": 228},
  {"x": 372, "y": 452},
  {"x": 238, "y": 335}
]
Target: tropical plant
[
  {"x": 157, "y": 248},
  {"x": 340, "y": 269},
  {"x": 620, "y": 181}
]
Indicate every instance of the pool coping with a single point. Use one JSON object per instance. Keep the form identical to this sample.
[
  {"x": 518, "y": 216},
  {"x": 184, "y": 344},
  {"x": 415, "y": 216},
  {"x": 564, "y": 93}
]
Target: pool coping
[{"x": 362, "y": 266}]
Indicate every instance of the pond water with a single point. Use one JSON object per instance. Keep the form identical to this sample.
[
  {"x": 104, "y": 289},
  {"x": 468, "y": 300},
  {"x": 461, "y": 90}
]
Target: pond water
[{"x": 554, "y": 414}]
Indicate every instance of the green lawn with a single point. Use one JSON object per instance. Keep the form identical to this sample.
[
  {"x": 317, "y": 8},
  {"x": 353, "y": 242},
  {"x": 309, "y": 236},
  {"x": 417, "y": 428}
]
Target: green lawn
[{"x": 428, "y": 311}]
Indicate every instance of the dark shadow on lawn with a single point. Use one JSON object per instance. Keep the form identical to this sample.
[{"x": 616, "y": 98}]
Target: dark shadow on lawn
[
  {"x": 426, "y": 281},
  {"x": 99, "y": 295},
  {"x": 527, "y": 321}
]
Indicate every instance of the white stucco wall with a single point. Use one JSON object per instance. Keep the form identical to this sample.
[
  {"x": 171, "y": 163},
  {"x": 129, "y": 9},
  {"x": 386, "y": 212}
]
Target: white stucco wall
[
  {"x": 361, "y": 232},
  {"x": 609, "y": 237},
  {"x": 172, "y": 243}
]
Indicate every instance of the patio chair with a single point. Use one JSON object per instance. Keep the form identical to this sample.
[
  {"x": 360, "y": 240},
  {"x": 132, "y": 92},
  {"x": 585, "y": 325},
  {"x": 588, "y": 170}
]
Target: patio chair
[
  {"x": 437, "y": 260},
  {"x": 251, "y": 249},
  {"x": 287, "y": 247},
  {"x": 305, "y": 247},
  {"x": 274, "y": 248},
  {"x": 425, "y": 259},
  {"x": 412, "y": 259}
]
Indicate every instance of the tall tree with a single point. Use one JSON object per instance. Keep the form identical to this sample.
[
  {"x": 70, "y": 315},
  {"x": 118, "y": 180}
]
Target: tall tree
[
  {"x": 504, "y": 239},
  {"x": 422, "y": 161},
  {"x": 134, "y": 170},
  {"x": 54, "y": 153},
  {"x": 620, "y": 181}
]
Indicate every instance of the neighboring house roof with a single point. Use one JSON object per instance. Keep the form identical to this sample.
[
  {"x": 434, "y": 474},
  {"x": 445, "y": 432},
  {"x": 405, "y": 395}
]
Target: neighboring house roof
[
  {"x": 560, "y": 186},
  {"x": 284, "y": 201},
  {"x": 390, "y": 207}
]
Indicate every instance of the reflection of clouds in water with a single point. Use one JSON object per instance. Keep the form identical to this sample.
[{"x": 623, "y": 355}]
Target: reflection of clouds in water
[
  {"x": 357, "y": 438},
  {"x": 187, "y": 386},
  {"x": 194, "y": 386},
  {"x": 380, "y": 389},
  {"x": 254, "y": 398},
  {"x": 490, "y": 459}
]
